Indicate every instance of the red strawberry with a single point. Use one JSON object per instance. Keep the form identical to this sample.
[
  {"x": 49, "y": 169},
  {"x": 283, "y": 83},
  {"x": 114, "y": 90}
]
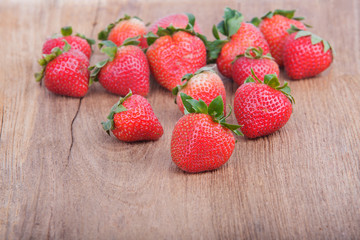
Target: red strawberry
[
  {"x": 175, "y": 53},
  {"x": 305, "y": 54},
  {"x": 179, "y": 20},
  {"x": 205, "y": 84},
  {"x": 123, "y": 28},
  {"x": 240, "y": 36},
  {"x": 202, "y": 140},
  {"x": 262, "y": 107},
  {"x": 132, "y": 119},
  {"x": 78, "y": 42},
  {"x": 65, "y": 72},
  {"x": 274, "y": 26},
  {"x": 253, "y": 58},
  {"x": 127, "y": 68}
]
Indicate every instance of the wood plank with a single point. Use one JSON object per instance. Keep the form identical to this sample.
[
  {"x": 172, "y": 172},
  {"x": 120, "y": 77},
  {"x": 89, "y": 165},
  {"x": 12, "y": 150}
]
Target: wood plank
[{"x": 62, "y": 177}]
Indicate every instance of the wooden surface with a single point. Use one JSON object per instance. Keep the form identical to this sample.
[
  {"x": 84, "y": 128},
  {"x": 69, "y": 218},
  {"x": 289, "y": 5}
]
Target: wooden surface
[{"x": 62, "y": 177}]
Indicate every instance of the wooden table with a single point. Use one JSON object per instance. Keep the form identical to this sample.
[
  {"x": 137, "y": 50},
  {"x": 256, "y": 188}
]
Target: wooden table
[{"x": 63, "y": 177}]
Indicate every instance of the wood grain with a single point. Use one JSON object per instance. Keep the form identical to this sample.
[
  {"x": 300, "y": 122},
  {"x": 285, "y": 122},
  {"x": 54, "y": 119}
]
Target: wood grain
[{"x": 62, "y": 177}]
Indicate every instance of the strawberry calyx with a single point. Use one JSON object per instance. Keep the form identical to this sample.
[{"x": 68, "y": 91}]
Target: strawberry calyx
[
  {"x": 104, "y": 34},
  {"x": 286, "y": 13},
  {"x": 49, "y": 57},
  {"x": 254, "y": 53},
  {"x": 315, "y": 39},
  {"x": 272, "y": 81},
  {"x": 186, "y": 78},
  {"x": 67, "y": 31},
  {"x": 117, "y": 108},
  {"x": 215, "y": 110},
  {"x": 110, "y": 49},
  {"x": 230, "y": 24}
]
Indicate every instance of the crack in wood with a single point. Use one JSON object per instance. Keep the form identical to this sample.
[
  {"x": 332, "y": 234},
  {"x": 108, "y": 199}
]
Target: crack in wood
[{"x": 72, "y": 134}]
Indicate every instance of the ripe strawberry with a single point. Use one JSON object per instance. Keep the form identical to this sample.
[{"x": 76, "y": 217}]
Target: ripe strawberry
[
  {"x": 262, "y": 107},
  {"x": 174, "y": 53},
  {"x": 126, "y": 68},
  {"x": 65, "y": 72},
  {"x": 202, "y": 140},
  {"x": 305, "y": 54},
  {"x": 274, "y": 25},
  {"x": 123, "y": 28},
  {"x": 240, "y": 36},
  {"x": 253, "y": 58},
  {"x": 179, "y": 20},
  {"x": 132, "y": 119},
  {"x": 205, "y": 84},
  {"x": 78, "y": 42}
]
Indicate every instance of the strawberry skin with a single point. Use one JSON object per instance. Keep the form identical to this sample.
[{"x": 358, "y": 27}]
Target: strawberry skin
[
  {"x": 127, "y": 29},
  {"x": 177, "y": 20},
  {"x": 261, "y": 109},
  {"x": 134, "y": 121},
  {"x": 261, "y": 64},
  {"x": 303, "y": 59},
  {"x": 68, "y": 74},
  {"x": 242, "y": 66},
  {"x": 128, "y": 70},
  {"x": 199, "y": 144},
  {"x": 205, "y": 85},
  {"x": 274, "y": 30},
  {"x": 171, "y": 57},
  {"x": 247, "y": 36},
  {"x": 201, "y": 139}
]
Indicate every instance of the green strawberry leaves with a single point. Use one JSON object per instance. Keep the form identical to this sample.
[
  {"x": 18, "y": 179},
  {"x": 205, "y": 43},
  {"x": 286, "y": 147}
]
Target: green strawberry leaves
[
  {"x": 286, "y": 13},
  {"x": 117, "y": 108},
  {"x": 49, "y": 57},
  {"x": 272, "y": 81},
  {"x": 215, "y": 110},
  {"x": 186, "y": 78},
  {"x": 104, "y": 34},
  {"x": 315, "y": 39}
]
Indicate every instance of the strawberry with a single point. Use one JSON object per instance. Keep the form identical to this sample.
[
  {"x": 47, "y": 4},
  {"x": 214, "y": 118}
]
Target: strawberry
[
  {"x": 65, "y": 71},
  {"x": 274, "y": 25},
  {"x": 205, "y": 84},
  {"x": 132, "y": 119},
  {"x": 253, "y": 58},
  {"x": 123, "y": 28},
  {"x": 79, "y": 42},
  {"x": 174, "y": 53},
  {"x": 201, "y": 139},
  {"x": 179, "y": 20},
  {"x": 306, "y": 54},
  {"x": 126, "y": 68},
  {"x": 239, "y": 35},
  {"x": 262, "y": 107}
]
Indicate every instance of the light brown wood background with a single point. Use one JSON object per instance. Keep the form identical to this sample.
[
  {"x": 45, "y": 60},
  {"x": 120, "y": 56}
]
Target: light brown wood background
[{"x": 62, "y": 177}]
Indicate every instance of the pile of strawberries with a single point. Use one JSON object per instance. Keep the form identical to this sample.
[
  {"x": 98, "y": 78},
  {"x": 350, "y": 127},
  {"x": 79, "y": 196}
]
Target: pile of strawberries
[{"x": 175, "y": 52}]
